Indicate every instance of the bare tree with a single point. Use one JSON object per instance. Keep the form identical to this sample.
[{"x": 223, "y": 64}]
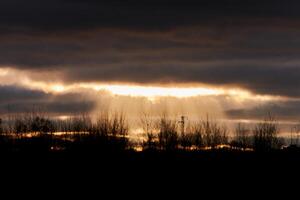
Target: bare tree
[
  {"x": 214, "y": 133},
  {"x": 198, "y": 131},
  {"x": 168, "y": 136},
  {"x": 265, "y": 135},
  {"x": 295, "y": 131},
  {"x": 242, "y": 136},
  {"x": 1, "y": 127},
  {"x": 148, "y": 126}
]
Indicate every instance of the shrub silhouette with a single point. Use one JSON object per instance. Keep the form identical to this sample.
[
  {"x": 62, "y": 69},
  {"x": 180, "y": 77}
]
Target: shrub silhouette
[
  {"x": 148, "y": 126},
  {"x": 214, "y": 134},
  {"x": 108, "y": 133},
  {"x": 198, "y": 135},
  {"x": 20, "y": 126},
  {"x": 1, "y": 127},
  {"x": 265, "y": 135},
  {"x": 242, "y": 138},
  {"x": 168, "y": 136},
  {"x": 186, "y": 140},
  {"x": 150, "y": 143},
  {"x": 295, "y": 131},
  {"x": 42, "y": 125}
]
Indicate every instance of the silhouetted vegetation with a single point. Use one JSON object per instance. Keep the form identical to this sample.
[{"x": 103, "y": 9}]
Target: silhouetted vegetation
[
  {"x": 38, "y": 133},
  {"x": 265, "y": 135},
  {"x": 110, "y": 132},
  {"x": 1, "y": 127},
  {"x": 295, "y": 131},
  {"x": 242, "y": 138}
]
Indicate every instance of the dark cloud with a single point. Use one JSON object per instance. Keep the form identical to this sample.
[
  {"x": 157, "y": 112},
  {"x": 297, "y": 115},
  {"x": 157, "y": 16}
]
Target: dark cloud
[
  {"x": 250, "y": 44},
  {"x": 264, "y": 65},
  {"x": 11, "y": 94},
  {"x": 284, "y": 110},
  {"x": 259, "y": 79},
  {"x": 154, "y": 14},
  {"x": 19, "y": 100}
]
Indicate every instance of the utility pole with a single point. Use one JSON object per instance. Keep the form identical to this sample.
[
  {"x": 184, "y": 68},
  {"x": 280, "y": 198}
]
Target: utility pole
[{"x": 182, "y": 122}]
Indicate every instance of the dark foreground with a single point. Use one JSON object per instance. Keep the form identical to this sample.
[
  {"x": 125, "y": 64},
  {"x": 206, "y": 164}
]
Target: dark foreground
[
  {"x": 215, "y": 165},
  {"x": 214, "y": 173}
]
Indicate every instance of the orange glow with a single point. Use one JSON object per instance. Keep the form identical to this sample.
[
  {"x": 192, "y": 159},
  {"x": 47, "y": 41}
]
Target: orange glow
[
  {"x": 149, "y": 91},
  {"x": 10, "y": 76}
]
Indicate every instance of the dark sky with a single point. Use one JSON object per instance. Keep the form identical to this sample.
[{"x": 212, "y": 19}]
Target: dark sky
[{"x": 249, "y": 44}]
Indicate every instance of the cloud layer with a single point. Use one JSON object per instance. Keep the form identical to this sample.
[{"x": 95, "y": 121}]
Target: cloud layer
[
  {"x": 15, "y": 100},
  {"x": 253, "y": 45}
]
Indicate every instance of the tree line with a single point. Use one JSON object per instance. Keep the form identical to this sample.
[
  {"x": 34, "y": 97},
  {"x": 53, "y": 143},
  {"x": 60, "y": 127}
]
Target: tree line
[{"x": 163, "y": 134}]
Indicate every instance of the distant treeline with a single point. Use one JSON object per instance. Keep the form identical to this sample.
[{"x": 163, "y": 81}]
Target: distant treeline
[
  {"x": 208, "y": 134},
  {"x": 110, "y": 131},
  {"x": 34, "y": 131}
]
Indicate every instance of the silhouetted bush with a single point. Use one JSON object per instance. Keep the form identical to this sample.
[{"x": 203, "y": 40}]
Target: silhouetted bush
[
  {"x": 168, "y": 136},
  {"x": 186, "y": 140},
  {"x": 149, "y": 129},
  {"x": 214, "y": 134},
  {"x": 20, "y": 126},
  {"x": 295, "y": 131},
  {"x": 109, "y": 133},
  {"x": 198, "y": 135},
  {"x": 265, "y": 135},
  {"x": 242, "y": 137},
  {"x": 42, "y": 125},
  {"x": 1, "y": 127}
]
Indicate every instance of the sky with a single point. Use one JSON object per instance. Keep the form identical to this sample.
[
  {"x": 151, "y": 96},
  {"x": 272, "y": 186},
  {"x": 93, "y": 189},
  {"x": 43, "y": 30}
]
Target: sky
[{"x": 236, "y": 60}]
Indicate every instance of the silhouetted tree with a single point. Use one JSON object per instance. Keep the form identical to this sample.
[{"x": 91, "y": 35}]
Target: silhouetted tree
[
  {"x": 295, "y": 131},
  {"x": 42, "y": 125},
  {"x": 20, "y": 126},
  {"x": 214, "y": 134},
  {"x": 242, "y": 137},
  {"x": 148, "y": 125},
  {"x": 265, "y": 135},
  {"x": 168, "y": 136},
  {"x": 186, "y": 140},
  {"x": 1, "y": 127},
  {"x": 198, "y": 132}
]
